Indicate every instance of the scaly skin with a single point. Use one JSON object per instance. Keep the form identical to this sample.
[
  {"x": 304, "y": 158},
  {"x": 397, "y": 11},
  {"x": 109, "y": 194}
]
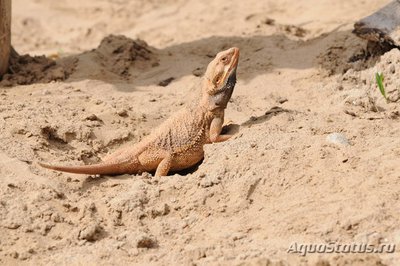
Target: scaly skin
[{"x": 178, "y": 142}]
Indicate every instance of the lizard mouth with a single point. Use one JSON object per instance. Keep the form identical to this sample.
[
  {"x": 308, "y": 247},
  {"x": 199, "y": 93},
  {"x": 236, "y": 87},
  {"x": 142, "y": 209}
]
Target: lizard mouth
[{"x": 235, "y": 59}]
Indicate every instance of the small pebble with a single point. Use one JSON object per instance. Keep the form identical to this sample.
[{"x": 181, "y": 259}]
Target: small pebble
[
  {"x": 166, "y": 82},
  {"x": 198, "y": 72},
  {"x": 282, "y": 100},
  {"x": 392, "y": 69},
  {"x": 337, "y": 138},
  {"x": 339, "y": 87},
  {"x": 122, "y": 112},
  {"x": 92, "y": 117},
  {"x": 91, "y": 233},
  {"x": 145, "y": 241}
]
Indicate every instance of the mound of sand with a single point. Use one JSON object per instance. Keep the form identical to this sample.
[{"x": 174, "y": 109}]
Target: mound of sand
[
  {"x": 115, "y": 54},
  {"x": 26, "y": 69}
]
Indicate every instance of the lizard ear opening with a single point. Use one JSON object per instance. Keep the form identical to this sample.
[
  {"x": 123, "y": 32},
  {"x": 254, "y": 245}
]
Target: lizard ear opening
[{"x": 217, "y": 79}]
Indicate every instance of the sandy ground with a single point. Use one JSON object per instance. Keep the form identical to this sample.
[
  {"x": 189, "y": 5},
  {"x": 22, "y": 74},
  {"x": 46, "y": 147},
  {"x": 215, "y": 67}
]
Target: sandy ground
[{"x": 302, "y": 76}]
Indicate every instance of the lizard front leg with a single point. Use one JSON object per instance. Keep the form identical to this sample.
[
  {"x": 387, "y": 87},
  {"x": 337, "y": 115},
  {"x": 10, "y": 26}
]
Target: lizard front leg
[{"x": 215, "y": 130}]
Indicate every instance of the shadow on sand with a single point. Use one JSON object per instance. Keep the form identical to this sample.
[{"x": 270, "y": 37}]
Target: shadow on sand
[{"x": 126, "y": 68}]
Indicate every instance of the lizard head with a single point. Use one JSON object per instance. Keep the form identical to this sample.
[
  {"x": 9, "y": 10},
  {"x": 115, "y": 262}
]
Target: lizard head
[{"x": 220, "y": 76}]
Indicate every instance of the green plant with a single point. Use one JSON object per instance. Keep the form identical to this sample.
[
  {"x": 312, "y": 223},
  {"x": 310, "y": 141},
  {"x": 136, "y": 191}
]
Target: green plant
[{"x": 379, "y": 80}]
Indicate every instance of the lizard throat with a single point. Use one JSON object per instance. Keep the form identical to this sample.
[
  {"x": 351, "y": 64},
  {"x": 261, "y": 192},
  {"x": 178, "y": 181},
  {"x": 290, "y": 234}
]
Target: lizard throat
[{"x": 220, "y": 99}]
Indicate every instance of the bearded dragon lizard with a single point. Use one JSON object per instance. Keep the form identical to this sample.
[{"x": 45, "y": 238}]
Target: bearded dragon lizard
[{"x": 177, "y": 143}]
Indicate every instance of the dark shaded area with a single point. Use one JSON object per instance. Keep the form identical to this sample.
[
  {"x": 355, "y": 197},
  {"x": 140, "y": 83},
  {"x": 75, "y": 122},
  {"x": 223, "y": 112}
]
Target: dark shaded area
[
  {"x": 189, "y": 170},
  {"x": 26, "y": 69},
  {"x": 122, "y": 61},
  {"x": 373, "y": 50}
]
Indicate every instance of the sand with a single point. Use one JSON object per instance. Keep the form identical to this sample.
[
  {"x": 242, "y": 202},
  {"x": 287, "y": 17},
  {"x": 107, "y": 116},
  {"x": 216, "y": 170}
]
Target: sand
[{"x": 123, "y": 67}]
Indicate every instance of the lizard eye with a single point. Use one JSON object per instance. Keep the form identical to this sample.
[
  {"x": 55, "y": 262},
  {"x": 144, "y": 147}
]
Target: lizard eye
[{"x": 224, "y": 59}]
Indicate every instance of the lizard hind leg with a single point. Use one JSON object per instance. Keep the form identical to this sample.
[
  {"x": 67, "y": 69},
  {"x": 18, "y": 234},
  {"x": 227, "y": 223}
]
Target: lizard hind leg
[{"x": 164, "y": 166}]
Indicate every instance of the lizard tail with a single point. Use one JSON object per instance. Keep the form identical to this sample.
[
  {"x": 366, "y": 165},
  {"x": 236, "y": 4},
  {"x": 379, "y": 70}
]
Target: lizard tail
[{"x": 94, "y": 169}]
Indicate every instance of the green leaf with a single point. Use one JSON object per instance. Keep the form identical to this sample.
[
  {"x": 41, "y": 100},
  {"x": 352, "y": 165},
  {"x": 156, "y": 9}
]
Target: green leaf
[{"x": 379, "y": 81}]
